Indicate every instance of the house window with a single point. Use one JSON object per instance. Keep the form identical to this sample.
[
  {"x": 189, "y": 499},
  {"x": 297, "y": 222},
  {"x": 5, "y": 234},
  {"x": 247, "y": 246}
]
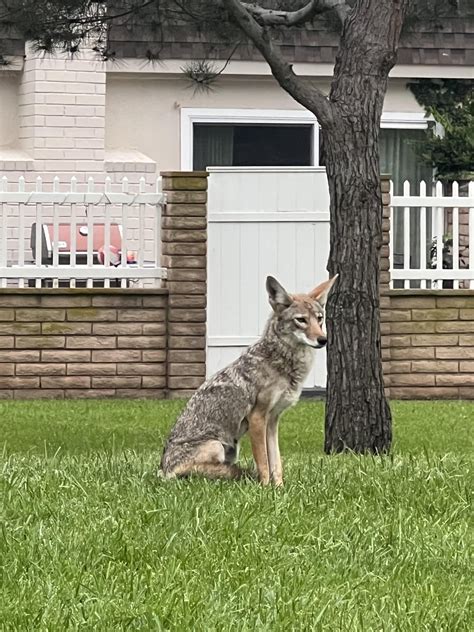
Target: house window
[
  {"x": 253, "y": 145},
  {"x": 248, "y": 137},
  {"x": 399, "y": 158}
]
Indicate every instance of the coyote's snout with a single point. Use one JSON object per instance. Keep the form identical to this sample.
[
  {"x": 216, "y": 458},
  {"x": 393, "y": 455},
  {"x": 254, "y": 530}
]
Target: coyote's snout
[{"x": 251, "y": 393}]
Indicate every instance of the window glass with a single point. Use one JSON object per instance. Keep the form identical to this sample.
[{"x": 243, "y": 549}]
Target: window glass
[
  {"x": 399, "y": 158},
  {"x": 252, "y": 145}
]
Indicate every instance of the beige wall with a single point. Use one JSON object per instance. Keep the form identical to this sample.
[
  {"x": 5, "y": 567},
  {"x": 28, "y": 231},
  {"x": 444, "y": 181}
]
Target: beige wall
[
  {"x": 399, "y": 98},
  {"x": 9, "y": 83},
  {"x": 143, "y": 113}
]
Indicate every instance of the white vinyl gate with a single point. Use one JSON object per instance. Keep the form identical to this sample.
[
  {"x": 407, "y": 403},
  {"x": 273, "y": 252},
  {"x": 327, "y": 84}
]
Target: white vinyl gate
[{"x": 262, "y": 220}]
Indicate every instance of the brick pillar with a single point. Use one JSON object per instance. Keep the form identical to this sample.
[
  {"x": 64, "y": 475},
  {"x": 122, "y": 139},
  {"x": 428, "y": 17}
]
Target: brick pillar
[
  {"x": 385, "y": 280},
  {"x": 62, "y": 113},
  {"x": 463, "y": 227},
  {"x": 184, "y": 244}
]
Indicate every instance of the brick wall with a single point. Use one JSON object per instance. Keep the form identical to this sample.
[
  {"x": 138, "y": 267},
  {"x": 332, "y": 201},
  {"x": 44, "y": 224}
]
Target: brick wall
[
  {"x": 83, "y": 343},
  {"x": 62, "y": 112},
  {"x": 429, "y": 336}
]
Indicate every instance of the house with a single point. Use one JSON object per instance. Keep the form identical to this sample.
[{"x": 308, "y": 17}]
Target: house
[{"x": 144, "y": 116}]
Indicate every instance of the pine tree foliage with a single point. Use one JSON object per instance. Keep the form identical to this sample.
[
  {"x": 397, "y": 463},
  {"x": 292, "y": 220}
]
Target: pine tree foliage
[{"x": 451, "y": 104}]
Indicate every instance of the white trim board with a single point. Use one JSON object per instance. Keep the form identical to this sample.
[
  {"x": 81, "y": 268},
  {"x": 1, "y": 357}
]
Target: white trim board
[
  {"x": 189, "y": 116},
  {"x": 270, "y": 169},
  {"x": 405, "y": 120},
  {"x": 250, "y": 116},
  {"x": 231, "y": 341},
  {"x": 312, "y": 217},
  {"x": 248, "y": 68}
]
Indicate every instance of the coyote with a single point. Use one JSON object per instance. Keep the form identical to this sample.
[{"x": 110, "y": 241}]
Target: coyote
[{"x": 250, "y": 394}]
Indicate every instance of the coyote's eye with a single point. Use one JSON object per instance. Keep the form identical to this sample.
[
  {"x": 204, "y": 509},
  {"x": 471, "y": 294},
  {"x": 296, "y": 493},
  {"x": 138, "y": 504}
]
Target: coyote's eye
[
  {"x": 301, "y": 320},
  {"x": 320, "y": 318}
]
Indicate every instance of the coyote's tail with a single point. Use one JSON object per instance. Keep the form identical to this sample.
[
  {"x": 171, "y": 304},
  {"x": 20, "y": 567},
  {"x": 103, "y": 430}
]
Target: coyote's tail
[{"x": 211, "y": 471}]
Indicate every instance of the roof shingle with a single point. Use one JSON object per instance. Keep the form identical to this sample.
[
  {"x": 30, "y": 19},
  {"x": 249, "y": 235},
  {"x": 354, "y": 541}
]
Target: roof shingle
[
  {"x": 431, "y": 42},
  {"x": 446, "y": 42}
]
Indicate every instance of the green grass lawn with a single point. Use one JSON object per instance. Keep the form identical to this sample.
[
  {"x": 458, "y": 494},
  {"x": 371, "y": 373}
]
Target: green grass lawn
[{"x": 91, "y": 540}]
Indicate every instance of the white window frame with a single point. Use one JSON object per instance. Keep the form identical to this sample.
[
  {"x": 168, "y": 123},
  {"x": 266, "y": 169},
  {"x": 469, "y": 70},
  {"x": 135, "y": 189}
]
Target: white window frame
[
  {"x": 404, "y": 120},
  {"x": 190, "y": 116}
]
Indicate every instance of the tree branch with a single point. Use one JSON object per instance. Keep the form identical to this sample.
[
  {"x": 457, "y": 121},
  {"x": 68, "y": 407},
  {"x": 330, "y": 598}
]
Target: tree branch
[
  {"x": 309, "y": 96},
  {"x": 273, "y": 17}
]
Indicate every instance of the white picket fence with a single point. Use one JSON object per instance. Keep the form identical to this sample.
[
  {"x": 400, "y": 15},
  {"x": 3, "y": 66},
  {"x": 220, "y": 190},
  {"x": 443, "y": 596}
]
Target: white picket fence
[
  {"x": 72, "y": 234},
  {"x": 445, "y": 235},
  {"x": 104, "y": 234}
]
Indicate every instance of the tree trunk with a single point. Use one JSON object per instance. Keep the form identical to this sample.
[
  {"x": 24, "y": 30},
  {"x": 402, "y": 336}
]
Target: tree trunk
[{"x": 357, "y": 414}]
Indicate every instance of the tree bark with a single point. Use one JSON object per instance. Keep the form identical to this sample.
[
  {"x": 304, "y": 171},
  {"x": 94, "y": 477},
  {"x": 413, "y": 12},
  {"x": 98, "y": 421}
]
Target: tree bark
[{"x": 358, "y": 416}]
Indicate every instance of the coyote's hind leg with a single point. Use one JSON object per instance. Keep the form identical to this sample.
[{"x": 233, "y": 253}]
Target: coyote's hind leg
[{"x": 209, "y": 461}]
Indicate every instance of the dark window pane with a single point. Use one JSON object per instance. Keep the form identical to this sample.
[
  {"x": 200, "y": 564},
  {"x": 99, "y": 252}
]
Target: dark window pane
[
  {"x": 252, "y": 145},
  {"x": 269, "y": 145}
]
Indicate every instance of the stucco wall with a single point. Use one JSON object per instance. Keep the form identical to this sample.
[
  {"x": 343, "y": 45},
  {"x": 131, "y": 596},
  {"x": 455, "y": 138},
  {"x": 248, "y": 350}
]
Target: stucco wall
[
  {"x": 143, "y": 113},
  {"x": 9, "y": 83}
]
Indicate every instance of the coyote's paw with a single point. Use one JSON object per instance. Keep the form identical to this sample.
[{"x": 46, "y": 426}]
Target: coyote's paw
[
  {"x": 162, "y": 476},
  {"x": 247, "y": 474}
]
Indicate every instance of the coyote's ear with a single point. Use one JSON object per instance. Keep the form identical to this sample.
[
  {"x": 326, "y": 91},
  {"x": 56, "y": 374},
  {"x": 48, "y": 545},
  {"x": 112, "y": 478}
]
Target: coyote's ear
[
  {"x": 321, "y": 292},
  {"x": 277, "y": 295}
]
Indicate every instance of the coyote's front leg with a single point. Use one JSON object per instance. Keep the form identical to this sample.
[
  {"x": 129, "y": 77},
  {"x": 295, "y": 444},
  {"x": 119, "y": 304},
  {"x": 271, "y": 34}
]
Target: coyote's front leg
[
  {"x": 273, "y": 451},
  {"x": 258, "y": 440}
]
